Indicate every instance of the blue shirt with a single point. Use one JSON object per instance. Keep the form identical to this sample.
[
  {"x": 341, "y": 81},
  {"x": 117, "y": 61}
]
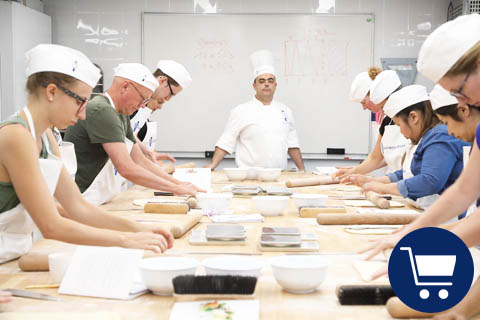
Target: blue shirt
[{"x": 436, "y": 164}]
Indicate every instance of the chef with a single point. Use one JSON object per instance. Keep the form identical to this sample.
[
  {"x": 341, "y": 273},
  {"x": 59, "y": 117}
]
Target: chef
[
  {"x": 105, "y": 147},
  {"x": 261, "y": 131},
  {"x": 172, "y": 78}
]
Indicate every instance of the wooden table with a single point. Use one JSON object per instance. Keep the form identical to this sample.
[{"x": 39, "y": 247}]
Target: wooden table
[{"x": 335, "y": 244}]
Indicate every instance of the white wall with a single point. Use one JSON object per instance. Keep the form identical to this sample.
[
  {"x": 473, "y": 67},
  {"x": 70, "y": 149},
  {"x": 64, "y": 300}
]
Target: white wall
[{"x": 109, "y": 31}]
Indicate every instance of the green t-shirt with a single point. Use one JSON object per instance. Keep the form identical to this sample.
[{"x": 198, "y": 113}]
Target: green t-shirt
[
  {"x": 8, "y": 196},
  {"x": 102, "y": 125}
]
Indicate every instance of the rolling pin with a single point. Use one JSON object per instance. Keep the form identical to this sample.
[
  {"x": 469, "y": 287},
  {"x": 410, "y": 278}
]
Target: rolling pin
[
  {"x": 186, "y": 165},
  {"x": 397, "y": 309},
  {"x": 34, "y": 261},
  {"x": 364, "y": 294},
  {"x": 315, "y": 181},
  {"x": 378, "y": 200},
  {"x": 180, "y": 207},
  {"x": 179, "y": 229},
  {"x": 371, "y": 218},
  {"x": 312, "y": 212}
]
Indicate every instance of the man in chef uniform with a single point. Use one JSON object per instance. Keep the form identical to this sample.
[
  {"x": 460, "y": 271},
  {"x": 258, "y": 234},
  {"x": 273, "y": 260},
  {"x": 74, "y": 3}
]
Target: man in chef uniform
[
  {"x": 261, "y": 131},
  {"x": 105, "y": 147},
  {"x": 172, "y": 78}
]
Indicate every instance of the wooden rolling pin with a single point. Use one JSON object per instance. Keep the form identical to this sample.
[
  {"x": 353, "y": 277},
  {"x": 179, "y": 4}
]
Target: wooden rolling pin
[
  {"x": 397, "y": 309},
  {"x": 371, "y": 218},
  {"x": 312, "y": 212},
  {"x": 178, "y": 229},
  {"x": 186, "y": 165},
  {"x": 378, "y": 200},
  {"x": 34, "y": 261},
  {"x": 315, "y": 181},
  {"x": 180, "y": 207}
]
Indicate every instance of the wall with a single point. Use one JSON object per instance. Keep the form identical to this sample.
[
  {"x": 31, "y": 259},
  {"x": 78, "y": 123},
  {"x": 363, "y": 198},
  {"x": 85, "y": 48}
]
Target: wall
[{"x": 109, "y": 31}]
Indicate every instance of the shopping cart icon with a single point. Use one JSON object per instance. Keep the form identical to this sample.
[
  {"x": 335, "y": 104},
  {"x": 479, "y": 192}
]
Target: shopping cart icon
[{"x": 431, "y": 266}]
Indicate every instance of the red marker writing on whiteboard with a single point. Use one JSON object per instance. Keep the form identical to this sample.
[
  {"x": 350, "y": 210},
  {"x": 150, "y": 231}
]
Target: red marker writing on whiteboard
[{"x": 346, "y": 158}]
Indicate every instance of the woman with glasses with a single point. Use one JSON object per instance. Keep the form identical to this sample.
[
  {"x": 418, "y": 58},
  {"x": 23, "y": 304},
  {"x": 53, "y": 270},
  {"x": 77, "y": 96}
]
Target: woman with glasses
[
  {"x": 391, "y": 144},
  {"x": 451, "y": 56},
  {"x": 32, "y": 176},
  {"x": 432, "y": 162}
]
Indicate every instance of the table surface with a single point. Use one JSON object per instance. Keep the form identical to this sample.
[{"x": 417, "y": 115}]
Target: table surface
[{"x": 335, "y": 244}]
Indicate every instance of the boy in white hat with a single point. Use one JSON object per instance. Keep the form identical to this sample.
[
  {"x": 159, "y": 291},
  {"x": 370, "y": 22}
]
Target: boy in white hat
[
  {"x": 262, "y": 131},
  {"x": 434, "y": 160},
  {"x": 33, "y": 178},
  {"x": 172, "y": 78},
  {"x": 106, "y": 149}
]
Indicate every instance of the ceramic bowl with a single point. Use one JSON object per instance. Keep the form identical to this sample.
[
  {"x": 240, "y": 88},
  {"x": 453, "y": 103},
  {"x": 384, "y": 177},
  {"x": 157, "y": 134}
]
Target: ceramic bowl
[
  {"x": 157, "y": 273},
  {"x": 271, "y": 205},
  {"x": 214, "y": 202},
  {"x": 252, "y": 173},
  {"x": 299, "y": 273},
  {"x": 309, "y": 200},
  {"x": 236, "y": 174},
  {"x": 269, "y": 174},
  {"x": 232, "y": 265}
]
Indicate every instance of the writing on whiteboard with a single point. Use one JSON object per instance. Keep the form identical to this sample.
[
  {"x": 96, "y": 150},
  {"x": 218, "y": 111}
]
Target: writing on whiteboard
[
  {"x": 215, "y": 55},
  {"x": 317, "y": 55}
]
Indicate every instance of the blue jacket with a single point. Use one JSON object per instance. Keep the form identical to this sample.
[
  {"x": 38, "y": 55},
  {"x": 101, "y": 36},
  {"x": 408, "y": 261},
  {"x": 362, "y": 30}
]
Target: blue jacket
[{"x": 436, "y": 164}]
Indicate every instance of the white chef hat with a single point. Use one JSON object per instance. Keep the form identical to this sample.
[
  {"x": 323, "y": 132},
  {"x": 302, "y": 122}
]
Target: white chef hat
[
  {"x": 262, "y": 62},
  {"x": 440, "y": 97},
  {"x": 138, "y": 73},
  {"x": 384, "y": 84},
  {"x": 65, "y": 60},
  {"x": 360, "y": 87},
  {"x": 405, "y": 98},
  {"x": 176, "y": 71},
  {"x": 447, "y": 44}
]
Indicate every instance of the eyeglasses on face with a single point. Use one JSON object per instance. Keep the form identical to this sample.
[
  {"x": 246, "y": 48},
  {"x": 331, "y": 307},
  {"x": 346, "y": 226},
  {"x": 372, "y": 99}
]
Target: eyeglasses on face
[
  {"x": 170, "y": 87},
  {"x": 458, "y": 93},
  {"x": 81, "y": 101},
  {"x": 145, "y": 100}
]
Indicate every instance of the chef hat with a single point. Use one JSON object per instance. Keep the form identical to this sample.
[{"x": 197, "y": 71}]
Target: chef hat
[
  {"x": 440, "y": 97},
  {"x": 384, "y": 84},
  {"x": 65, "y": 60},
  {"x": 447, "y": 44},
  {"x": 262, "y": 62},
  {"x": 138, "y": 73},
  {"x": 360, "y": 87},
  {"x": 405, "y": 98},
  {"x": 176, "y": 71}
]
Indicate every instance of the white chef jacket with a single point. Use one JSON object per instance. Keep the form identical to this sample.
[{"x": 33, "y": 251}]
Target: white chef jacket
[{"x": 260, "y": 134}]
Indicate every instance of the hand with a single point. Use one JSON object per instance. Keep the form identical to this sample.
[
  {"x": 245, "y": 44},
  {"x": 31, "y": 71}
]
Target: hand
[
  {"x": 374, "y": 186},
  {"x": 356, "y": 179},
  {"x": 165, "y": 156},
  {"x": 5, "y": 297},
  {"x": 343, "y": 172},
  {"x": 209, "y": 166},
  {"x": 146, "y": 241},
  {"x": 452, "y": 314},
  {"x": 150, "y": 155},
  {"x": 185, "y": 188},
  {"x": 159, "y": 229}
]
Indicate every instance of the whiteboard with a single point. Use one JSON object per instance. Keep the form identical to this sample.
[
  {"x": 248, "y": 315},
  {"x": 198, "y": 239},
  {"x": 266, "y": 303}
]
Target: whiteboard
[{"x": 316, "y": 59}]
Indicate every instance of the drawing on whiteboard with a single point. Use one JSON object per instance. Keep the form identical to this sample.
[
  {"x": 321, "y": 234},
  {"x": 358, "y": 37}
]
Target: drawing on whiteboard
[
  {"x": 94, "y": 35},
  {"x": 319, "y": 56},
  {"x": 215, "y": 55}
]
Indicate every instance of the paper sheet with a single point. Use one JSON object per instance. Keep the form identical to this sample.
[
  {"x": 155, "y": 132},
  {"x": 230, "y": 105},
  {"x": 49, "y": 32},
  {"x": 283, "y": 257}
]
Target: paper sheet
[
  {"x": 201, "y": 177},
  {"x": 216, "y": 310},
  {"x": 104, "y": 272},
  {"x": 367, "y": 203},
  {"x": 367, "y": 269},
  {"x": 372, "y": 229},
  {"x": 386, "y": 211},
  {"x": 325, "y": 170}
]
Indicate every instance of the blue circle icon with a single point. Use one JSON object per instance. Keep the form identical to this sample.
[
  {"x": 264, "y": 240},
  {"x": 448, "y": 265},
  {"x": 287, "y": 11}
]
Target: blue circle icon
[{"x": 430, "y": 270}]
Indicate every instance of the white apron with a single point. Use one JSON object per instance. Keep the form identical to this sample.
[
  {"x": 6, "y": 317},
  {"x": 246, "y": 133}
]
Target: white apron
[
  {"x": 466, "y": 156},
  {"x": 139, "y": 120},
  {"x": 69, "y": 159},
  {"x": 393, "y": 147},
  {"x": 16, "y": 226},
  {"x": 423, "y": 202},
  {"x": 108, "y": 183}
]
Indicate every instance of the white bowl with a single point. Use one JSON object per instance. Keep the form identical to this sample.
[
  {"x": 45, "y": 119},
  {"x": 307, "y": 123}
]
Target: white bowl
[
  {"x": 157, "y": 273},
  {"x": 58, "y": 264},
  {"x": 233, "y": 265},
  {"x": 214, "y": 202},
  {"x": 299, "y": 273},
  {"x": 269, "y": 174},
  {"x": 271, "y": 205},
  {"x": 236, "y": 174},
  {"x": 309, "y": 200},
  {"x": 252, "y": 173}
]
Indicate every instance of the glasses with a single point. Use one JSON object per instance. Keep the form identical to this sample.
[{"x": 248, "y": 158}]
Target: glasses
[
  {"x": 81, "y": 102},
  {"x": 458, "y": 93},
  {"x": 170, "y": 87},
  {"x": 144, "y": 101}
]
